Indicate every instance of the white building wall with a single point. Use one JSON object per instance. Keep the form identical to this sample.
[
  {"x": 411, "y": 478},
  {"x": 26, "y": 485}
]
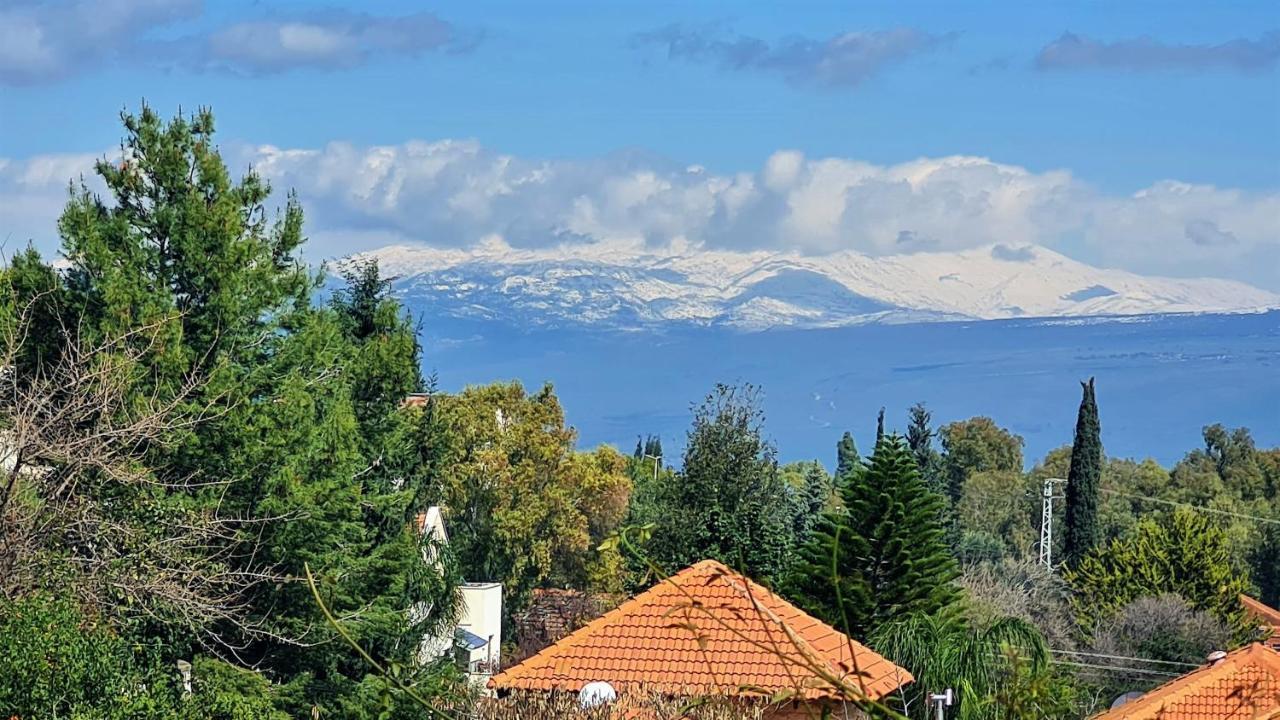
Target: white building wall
[{"x": 482, "y": 616}]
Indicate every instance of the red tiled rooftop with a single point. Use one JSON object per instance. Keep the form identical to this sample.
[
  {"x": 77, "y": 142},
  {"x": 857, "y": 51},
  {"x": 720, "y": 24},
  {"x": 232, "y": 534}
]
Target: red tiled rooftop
[
  {"x": 1266, "y": 616},
  {"x": 752, "y": 641},
  {"x": 1243, "y": 686}
]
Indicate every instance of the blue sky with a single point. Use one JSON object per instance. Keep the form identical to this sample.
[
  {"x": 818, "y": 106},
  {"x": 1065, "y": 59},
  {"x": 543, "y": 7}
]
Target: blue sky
[{"x": 1119, "y": 96}]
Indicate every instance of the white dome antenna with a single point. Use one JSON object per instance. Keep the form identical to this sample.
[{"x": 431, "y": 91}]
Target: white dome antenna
[{"x": 595, "y": 694}]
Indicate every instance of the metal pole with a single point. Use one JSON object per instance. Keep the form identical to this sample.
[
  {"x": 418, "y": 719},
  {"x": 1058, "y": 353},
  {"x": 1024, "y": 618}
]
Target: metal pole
[
  {"x": 1046, "y": 522},
  {"x": 657, "y": 460},
  {"x": 942, "y": 701}
]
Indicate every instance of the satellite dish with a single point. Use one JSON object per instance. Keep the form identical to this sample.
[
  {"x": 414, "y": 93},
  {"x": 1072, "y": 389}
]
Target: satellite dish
[
  {"x": 1127, "y": 697},
  {"x": 595, "y": 694}
]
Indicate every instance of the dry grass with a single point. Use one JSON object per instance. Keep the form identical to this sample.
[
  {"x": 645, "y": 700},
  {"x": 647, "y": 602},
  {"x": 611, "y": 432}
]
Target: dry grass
[{"x": 564, "y": 706}]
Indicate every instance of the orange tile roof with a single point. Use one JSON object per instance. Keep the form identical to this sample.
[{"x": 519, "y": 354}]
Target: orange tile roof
[
  {"x": 1243, "y": 686},
  {"x": 652, "y": 642},
  {"x": 1266, "y": 616}
]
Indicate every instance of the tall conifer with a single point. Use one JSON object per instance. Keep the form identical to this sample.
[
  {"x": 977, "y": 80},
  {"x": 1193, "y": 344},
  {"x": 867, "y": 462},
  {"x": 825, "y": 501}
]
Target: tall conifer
[
  {"x": 848, "y": 461},
  {"x": 883, "y": 554},
  {"x": 1084, "y": 479}
]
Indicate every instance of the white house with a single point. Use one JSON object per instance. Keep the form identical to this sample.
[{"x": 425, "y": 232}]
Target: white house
[{"x": 478, "y": 635}]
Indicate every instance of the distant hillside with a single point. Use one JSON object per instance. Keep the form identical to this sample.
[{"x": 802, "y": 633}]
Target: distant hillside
[{"x": 609, "y": 287}]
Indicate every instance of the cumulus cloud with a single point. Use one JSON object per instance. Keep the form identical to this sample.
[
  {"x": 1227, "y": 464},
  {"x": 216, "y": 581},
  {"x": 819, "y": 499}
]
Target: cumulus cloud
[
  {"x": 843, "y": 60},
  {"x": 43, "y": 42},
  {"x": 46, "y": 42},
  {"x": 1073, "y": 51},
  {"x": 459, "y": 193}
]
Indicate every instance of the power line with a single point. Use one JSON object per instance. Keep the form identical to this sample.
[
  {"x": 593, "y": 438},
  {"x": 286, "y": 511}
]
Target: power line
[
  {"x": 1198, "y": 508},
  {"x": 1125, "y": 657},
  {"x": 1116, "y": 669}
]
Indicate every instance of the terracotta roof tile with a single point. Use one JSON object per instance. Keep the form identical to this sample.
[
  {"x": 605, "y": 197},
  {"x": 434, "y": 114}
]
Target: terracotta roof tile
[
  {"x": 1266, "y": 616},
  {"x": 1243, "y": 686},
  {"x": 651, "y": 642}
]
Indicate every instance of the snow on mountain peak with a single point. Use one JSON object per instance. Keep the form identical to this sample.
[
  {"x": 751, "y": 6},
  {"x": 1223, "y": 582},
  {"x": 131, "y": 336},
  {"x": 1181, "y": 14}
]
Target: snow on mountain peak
[{"x": 630, "y": 285}]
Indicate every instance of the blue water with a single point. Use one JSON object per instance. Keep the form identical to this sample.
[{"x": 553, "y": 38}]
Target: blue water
[{"x": 1159, "y": 379}]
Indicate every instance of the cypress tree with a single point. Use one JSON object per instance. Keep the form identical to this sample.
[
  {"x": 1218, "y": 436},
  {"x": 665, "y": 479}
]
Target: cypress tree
[
  {"x": 848, "y": 461},
  {"x": 1083, "y": 479},
  {"x": 883, "y": 554}
]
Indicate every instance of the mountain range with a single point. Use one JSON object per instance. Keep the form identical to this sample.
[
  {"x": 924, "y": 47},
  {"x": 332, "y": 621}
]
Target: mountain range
[{"x": 606, "y": 286}]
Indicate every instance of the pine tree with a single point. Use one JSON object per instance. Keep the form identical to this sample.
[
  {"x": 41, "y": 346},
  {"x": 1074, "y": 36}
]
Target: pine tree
[
  {"x": 848, "y": 461},
  {"x": 880, "y": 427},
  {"x": 920, "y": 440},
  {"x": 300, "y": 404},
  {"x": 880, "y": 556},
  {"x": 1084, "y": 479}
]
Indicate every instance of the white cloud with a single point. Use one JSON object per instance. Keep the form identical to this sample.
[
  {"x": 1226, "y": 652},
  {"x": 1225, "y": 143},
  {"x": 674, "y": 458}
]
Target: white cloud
[
  {"x": 50, "y": 41},
  {"x": 332, "y": 39},
  {"x": 458, "y": 193},
  {"x": 41, "y": 42}
]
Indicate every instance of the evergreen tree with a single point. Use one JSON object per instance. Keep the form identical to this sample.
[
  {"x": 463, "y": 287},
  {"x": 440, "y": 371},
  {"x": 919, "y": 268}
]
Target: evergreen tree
[
  {"x": 809, "y": 490},
  {"x": 728, "y": 501},
  {"x": 848, "y": 461},
  {"x": 1084, "y": 479},
  {"x": 299, "y": 406},
  {"x": 880, "y": 556},
  {"x": 1265, "y": 563},
  {"x": 920, "y": 439},
  {"x": 1183, "y": 553},
  {"x": 879, "y": 427}
]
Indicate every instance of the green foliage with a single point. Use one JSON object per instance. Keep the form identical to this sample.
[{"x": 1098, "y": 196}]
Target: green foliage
[
  {"x": 979, "y": 665},
  {"x": 301, "y": 446},
  {"x": 848, "y": 461},
  {"x": 999, "y": 505},
  {"x": 221, "y": 691},
  {"x": 809, "y": 492},
  {"x": 728, "y": 502},
  {"x": 57, "y": 663},
  {"x": 1083, "y": 480},
  {"x": 882, "y": 554},
  {"x": 977, "y": 445},
  {"x": 1264, "y": 561},
  {"x": 920, "y": 434},
  {"x": 1026, "y": 692},
  {"x": 524, "y": 507},
  {"x": 1183, "y": 553}
]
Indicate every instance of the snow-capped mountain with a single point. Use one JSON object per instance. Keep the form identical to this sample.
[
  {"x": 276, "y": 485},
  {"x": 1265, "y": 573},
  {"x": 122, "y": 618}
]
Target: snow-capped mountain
[{"x": 621, "y": 287}]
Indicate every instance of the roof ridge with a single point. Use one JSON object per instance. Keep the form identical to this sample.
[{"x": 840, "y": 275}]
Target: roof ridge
[
  {"x": 834, "y": 665},
  {"x": 1258, "y": 607},
  {"x": 742, "y": 616},
  {"x": 1198, "y": 678},
  {"x": 576, "y": 637}
]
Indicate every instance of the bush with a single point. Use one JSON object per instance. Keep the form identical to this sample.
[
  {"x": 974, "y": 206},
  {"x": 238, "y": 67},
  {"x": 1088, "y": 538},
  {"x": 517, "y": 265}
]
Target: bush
[
  {"x": 57, "y": 663},
  {"x": 1164, "y": 627},
  {"x": 1023, "y": 589}
]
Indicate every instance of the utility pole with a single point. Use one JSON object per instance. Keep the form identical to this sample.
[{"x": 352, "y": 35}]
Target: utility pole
[
  {"x": 657, "y": 460},
  {"x": 941, "y": 701},
  {"x": 1046, "y": 521}
]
